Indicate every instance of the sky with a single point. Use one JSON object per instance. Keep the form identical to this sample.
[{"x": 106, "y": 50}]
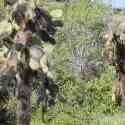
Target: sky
[{"x": 116, "y": 3}]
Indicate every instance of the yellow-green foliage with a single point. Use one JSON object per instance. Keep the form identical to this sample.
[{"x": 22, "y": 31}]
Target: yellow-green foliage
[
  {"x": 117, "y": 119},
  {"x": 1, "y": 3},
  {"x": 84, "y": 99},
  {"x": 5, "y": 27},
  {"x": 84, "y": 11}
]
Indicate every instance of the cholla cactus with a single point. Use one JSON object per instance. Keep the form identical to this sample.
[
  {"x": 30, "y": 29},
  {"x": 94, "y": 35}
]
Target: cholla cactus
[
  {"x": 25, "y": 56},
  {"x": 116, "y": 47}
]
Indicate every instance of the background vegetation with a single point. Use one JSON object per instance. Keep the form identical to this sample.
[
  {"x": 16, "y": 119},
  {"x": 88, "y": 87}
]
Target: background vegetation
[{"x": 80, "y": 69}]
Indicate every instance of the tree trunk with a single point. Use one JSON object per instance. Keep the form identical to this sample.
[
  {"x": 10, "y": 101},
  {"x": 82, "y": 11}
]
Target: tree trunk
[
  {"x": 123, "y": 90},
  {"x": 24, "y": 90}
]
